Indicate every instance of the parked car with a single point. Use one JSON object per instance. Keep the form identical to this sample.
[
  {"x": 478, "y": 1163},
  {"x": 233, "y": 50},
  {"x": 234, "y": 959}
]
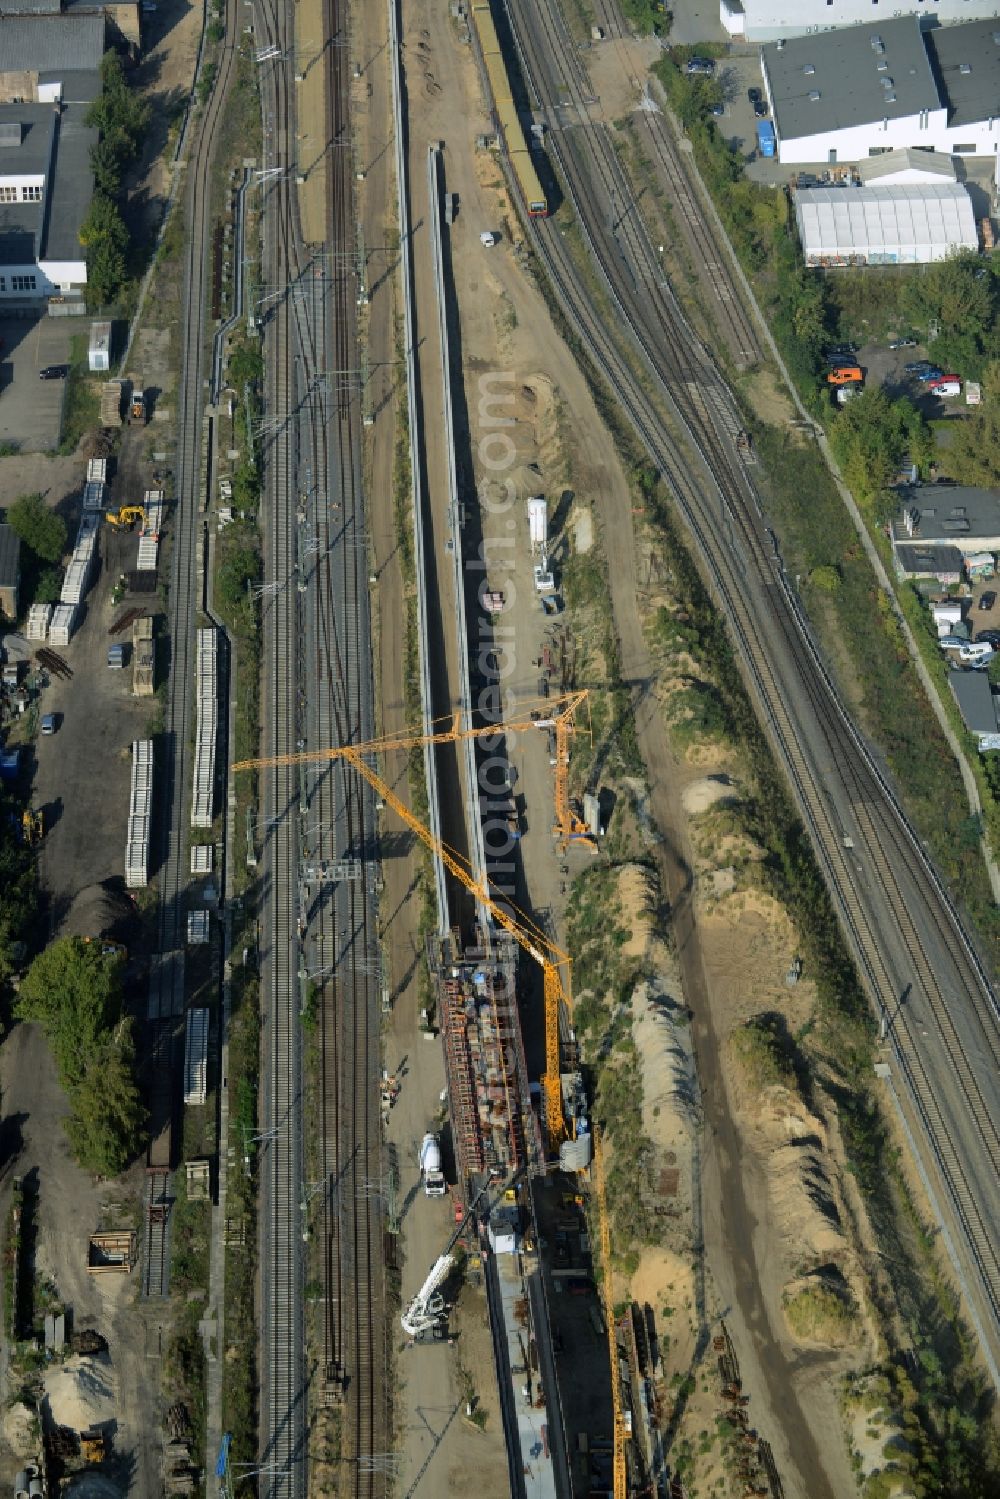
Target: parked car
[
  {"x": 760, "y": 110},
  {"x": 703, "y": 65},
  {"x": 489, "y": 239},
  {"x": 840, "y": 351},
  {"x": 718, "y": 110},
  {"x": 754, "y": 95},
  {"x": 48, "y": 723},
  {"x": 54, "y": 372},
  {"x": 903, "y": 343},
  {"x": 990, "y": 637},
  {"x": 986, "y": 603},
  {"x": 917, "y": 365},
  {"x": 946, "y": 386},
  {"x": 932, "y": 373}
]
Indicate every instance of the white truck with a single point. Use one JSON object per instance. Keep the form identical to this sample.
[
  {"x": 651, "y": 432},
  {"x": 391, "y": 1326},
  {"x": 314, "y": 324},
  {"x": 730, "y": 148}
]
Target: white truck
[{"x": 430, "y": 1166}]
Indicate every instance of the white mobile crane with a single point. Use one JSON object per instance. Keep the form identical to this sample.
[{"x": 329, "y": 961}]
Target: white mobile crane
[{"x": 426, "y": 1312}]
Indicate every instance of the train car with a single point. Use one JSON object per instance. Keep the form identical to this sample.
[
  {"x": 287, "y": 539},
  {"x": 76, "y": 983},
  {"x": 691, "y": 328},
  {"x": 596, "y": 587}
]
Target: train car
[
  {"x": 489, "y": 42},
  {"x": 527, "y": 181},
  {"x": 510, "y": 126},
  {"x": 496, "y": 72}
]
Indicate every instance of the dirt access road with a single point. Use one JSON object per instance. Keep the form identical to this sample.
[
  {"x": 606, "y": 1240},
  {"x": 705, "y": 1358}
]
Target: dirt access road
[{"x": 505, "y": 326}]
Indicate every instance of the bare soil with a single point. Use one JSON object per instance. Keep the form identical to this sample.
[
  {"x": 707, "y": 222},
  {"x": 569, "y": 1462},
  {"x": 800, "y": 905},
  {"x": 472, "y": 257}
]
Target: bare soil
[{"x": 734, "y": 950}]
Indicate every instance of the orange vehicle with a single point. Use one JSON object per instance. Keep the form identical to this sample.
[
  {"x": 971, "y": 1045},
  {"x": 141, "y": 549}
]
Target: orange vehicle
[{"x": 849, "y": 376}]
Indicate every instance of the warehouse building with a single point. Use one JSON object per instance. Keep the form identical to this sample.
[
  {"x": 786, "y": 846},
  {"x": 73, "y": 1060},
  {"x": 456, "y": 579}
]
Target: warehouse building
[
  {"x": 942, "y": 529},
  {"x": 10, "y": 570},
  {"x": 766, "y": 20},
  {"x": 884, "y": 225},
  {"x": 977, "y": 706},
  {"x": 49, "y": 75},
  {"x": 848, "y": 95}
]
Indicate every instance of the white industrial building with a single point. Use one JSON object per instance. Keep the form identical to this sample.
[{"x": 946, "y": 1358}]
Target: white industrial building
[
  {"x": 910, "y": 210},
  {"x": 848, "y": 95},
  {"x": 766, "y": 20},
  {"x": 49, "y": 75}
]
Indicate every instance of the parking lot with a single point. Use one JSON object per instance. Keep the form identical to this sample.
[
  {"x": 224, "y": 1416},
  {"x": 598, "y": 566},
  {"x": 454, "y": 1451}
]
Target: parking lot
[{"x": 31, "y": 409}]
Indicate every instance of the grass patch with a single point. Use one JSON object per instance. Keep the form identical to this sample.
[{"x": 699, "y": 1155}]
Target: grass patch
[{"x": 81, "y": 400}]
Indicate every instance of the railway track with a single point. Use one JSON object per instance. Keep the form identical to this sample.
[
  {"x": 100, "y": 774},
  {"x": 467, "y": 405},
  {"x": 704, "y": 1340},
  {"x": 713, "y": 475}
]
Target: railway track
[
  {"x": 728, "y": 310},
  {"x": 319, "y": 676},
  {"x": 165, "y": 1006},
  {"x": 919, "y": 966}
]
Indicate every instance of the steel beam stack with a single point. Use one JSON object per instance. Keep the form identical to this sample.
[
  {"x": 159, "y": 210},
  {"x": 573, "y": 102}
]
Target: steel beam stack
[
  {"x": 140, "y": 815},
  {"x": 206, "y": 705}
]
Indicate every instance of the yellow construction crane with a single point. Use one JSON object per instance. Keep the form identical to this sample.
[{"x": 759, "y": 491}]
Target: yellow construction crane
[
  {"x": 127, "y": 515},
  {"x": 554, "y": 963}
]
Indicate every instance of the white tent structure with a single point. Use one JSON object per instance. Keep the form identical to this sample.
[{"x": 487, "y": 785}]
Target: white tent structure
[{"x": 899, "y": 225}]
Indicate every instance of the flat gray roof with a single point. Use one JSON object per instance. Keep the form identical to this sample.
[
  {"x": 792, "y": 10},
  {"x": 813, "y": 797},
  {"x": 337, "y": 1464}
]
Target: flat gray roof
[
  {"x": 845, "y": 73},
  {"x": 10, "y": 554},
  {"x": 919, "y": 558},
  {"x": 976, "y": 702},
  {"x": 71, "y": 189},
  {"x": 44, "y": 43},
  {"x": 950, "y": 511},
  {"x": 973, "y": 45},
  {"x": 49, "y": 229}
]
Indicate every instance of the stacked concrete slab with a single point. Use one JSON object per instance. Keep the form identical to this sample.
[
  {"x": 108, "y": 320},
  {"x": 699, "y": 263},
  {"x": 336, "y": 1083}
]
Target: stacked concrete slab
[
  {"x": 140, "y": 815},
  {"x": 196, "y": 1057},
  {"x": 149, "y": 538},
  {"x": 82, "y": 561},
  {"x": 62, "y": 624},
  {"x": 206, "y": 705},
  {"x": 95, "y": 489},
  {"x": 39, "y": 619}
]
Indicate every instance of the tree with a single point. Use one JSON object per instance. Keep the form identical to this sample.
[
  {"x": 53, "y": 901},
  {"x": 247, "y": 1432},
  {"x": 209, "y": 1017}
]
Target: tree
[
  {"x": 105, "y": 239},
  {"x": 49, "y": 586},
  {"x": 960, "y": 298},
  {"x": 870, "y": 437},
  {"x": 74, "y": 993},
  {"x": 39, "y": 528},
  {"x": 107, "y": 1117},
  {"x": 974, "y": 451}
]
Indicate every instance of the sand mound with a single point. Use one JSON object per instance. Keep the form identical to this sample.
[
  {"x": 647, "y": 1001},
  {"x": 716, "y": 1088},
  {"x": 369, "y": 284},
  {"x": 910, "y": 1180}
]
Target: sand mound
[
  {"x": 670, "y": 1096},
  {"x": 709, "y": 791},
  {"x": 637, "y": 894},
  {"x": 20, "y": 1430},
  {"x": 80, "y": 1392},
  {"x": 820, "y": 1308}
]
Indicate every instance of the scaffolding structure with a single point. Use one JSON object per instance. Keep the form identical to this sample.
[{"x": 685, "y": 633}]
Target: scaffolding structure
[{"x": 493, "y": 1123}]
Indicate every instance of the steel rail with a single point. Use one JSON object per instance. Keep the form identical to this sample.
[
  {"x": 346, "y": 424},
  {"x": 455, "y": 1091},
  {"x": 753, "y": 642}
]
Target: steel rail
[{"x": 781, "y": 662}]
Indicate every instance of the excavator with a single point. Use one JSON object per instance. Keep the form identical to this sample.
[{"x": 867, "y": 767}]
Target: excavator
[
  {"x": 126, "y": 517},
  {"x": 425, "y": 1311},
  {"x": 32, "y": 826}
]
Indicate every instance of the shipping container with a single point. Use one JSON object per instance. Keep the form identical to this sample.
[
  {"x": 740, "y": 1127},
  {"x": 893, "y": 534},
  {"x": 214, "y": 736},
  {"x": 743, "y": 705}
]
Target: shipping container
[{"x": 765, "y": 138}]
